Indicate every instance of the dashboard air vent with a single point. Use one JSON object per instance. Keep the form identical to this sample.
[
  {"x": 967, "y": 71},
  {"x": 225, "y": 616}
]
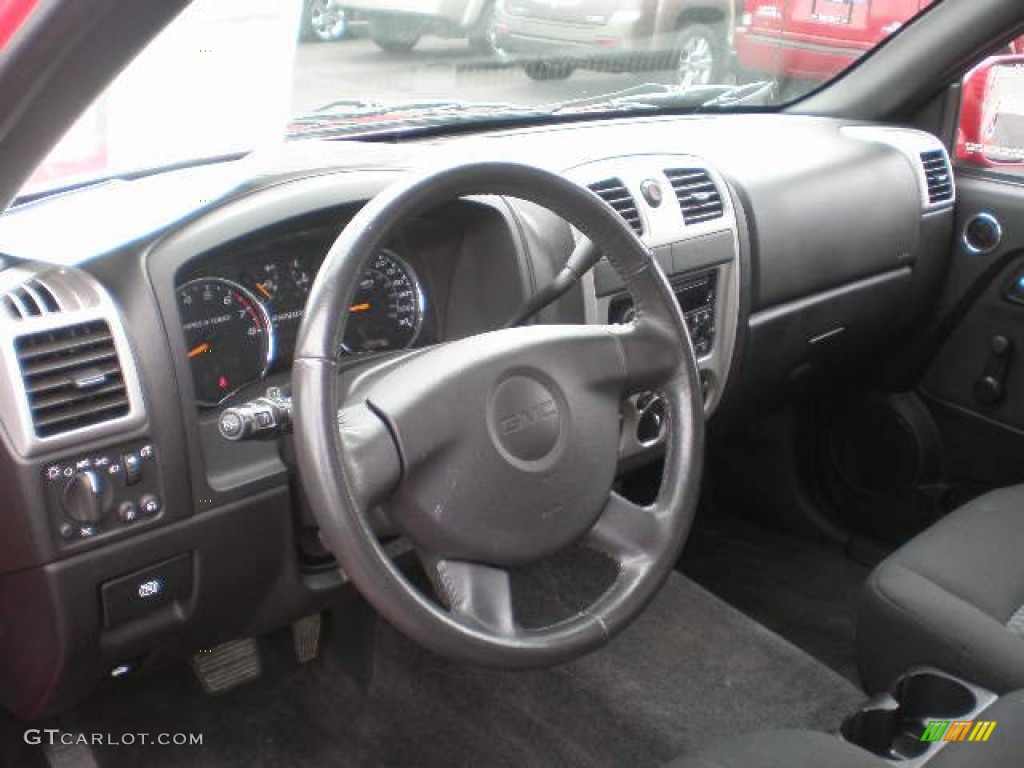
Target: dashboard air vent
[
  {"x": 72, "y": 377},
  {"x": 30, "y": 299},
  {"x": 938, "y": 175},
  {"x": 614, "y": 192},
  {"x": 699, "y": 198}
]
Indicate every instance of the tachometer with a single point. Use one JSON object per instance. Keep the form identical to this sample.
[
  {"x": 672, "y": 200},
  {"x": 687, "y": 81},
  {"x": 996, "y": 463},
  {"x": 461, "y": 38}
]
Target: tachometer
[
  {"x": 228, "y": 335},
  {"x": 387, "y": 311}
]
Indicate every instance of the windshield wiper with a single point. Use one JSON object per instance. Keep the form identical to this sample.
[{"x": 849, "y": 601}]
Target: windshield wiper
[
  {"x": 699, "y": 98},
  {"x": 354, "y": 118},
  {"x": 358, "y": 117}
]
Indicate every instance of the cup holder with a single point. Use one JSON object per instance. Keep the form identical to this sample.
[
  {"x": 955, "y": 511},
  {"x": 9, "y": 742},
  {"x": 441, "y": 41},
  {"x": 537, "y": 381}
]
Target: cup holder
[
  {"x": 934, "y": 696},
  {"x": 890, "y": 725},
  {"x": 884, "y": 730}
]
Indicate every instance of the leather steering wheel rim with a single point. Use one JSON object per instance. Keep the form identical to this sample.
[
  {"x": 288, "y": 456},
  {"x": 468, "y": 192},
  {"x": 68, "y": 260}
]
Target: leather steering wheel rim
[{"x": 528, "y": 408}]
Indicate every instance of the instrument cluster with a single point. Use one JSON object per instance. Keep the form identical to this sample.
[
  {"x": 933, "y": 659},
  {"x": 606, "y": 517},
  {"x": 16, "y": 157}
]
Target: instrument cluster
[{"x": 241, "y": 314}]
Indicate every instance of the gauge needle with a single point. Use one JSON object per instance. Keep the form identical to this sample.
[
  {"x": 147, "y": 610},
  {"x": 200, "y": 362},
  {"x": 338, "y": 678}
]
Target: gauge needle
[
  {"x": 263, "y": 289},
  {"x": 204, "y": 347},
  {"x": 359, "y": 308}
]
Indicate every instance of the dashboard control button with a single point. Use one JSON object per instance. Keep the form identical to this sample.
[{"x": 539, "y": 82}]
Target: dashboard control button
[
  {"x": 128, "y": 512},
  {"x": 66, "y": 531},
  {"x": 143, "y": 592},
  {"x": 150, "y": 504},
  {"x": 146, "y": 451},
  {"x": 652, "y": 193},
  {"x": 132, "y": 468}
]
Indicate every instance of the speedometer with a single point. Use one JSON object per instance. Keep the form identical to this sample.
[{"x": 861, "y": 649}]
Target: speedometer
[
  {"x": 387, "y": 310},
  {"x": 228, "y": 335}
]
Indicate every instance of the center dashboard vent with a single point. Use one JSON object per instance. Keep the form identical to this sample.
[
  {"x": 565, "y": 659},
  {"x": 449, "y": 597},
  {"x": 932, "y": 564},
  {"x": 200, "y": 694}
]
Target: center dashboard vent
[
  {"x": 30, "y": 299},
  {"x": 699, "y": 198},
  {"x": 614, "y": 192},
  {"x": 73, "y": 377},
  {"x": 938, "y": 175}
]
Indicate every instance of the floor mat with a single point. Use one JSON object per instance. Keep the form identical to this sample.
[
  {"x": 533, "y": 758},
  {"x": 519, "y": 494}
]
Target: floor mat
[
  {"x": 805, "y": 591},
  {"x": 691, "y": 670}
]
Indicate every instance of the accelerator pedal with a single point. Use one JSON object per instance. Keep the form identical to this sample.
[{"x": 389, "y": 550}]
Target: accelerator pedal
[
  {"x": 306, "y": 637},
  {"x": 228, "y": 665}
]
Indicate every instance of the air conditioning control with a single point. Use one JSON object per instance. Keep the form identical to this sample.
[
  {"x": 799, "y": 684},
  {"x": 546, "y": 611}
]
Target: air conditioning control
[{"x": 86, "y": 497}]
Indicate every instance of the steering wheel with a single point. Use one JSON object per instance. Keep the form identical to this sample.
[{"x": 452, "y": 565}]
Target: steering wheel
[{"x": 498, "y": 450}]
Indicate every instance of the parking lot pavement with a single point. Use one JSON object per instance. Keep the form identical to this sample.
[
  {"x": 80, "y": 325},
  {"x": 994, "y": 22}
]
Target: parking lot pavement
[{"x": 435, "y": 69}]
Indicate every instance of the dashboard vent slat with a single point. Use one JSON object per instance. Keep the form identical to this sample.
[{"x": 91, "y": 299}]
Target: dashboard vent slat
[
  {"x": 30, "y": 299},
  {"x": 614, "y": 192},
  {"x": 699, "y": 197},
  {"x": 938, "y": 175},
  {"x": 73, "y": 378}
]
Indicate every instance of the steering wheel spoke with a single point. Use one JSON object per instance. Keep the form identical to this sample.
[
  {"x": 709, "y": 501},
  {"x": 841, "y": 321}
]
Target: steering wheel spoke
[
  {"x": 651, "y": 354},
  {"x": 627, "y": 532},
  {"x": 480, "y": 595}
]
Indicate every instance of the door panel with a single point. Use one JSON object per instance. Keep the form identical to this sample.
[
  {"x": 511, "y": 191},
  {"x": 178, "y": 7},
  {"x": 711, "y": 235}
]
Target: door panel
[{"x": 974, "y": 382}]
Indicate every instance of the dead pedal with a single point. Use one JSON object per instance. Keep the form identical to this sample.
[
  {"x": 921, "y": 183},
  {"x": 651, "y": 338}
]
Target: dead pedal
[
  {"x": 228, "y": 665},
  {"x": 306, "y": 637}
]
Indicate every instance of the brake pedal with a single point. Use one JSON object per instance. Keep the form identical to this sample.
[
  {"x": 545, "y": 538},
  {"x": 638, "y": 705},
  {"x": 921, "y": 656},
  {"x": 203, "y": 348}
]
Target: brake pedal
[
  {"x": 228, "y": 665},
  {"x": 306, "y": 637},
  {"x": 74, "y": 755}
]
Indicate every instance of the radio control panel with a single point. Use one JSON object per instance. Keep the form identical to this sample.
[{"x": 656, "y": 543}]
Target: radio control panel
[{"x": 696, "y": 295}]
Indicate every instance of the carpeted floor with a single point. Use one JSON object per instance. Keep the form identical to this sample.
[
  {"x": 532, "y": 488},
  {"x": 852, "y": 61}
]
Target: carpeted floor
[
  {"x": 803, "y": 590},
  {"x": 691, "y": 670}
]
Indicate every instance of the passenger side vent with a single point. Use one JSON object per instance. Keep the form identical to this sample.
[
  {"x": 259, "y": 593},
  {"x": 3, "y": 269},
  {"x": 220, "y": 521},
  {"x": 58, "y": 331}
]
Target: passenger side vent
[
  {"x": 699, "y": 198},
  {"x": 30, "y": 299},
  {"x": 938, "y": 175},
  {"x": 614, "y": 192},
  {"x": 72, "y": 377}
]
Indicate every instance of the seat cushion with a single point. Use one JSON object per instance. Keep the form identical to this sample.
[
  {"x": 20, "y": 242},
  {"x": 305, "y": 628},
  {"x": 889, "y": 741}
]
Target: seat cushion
[
  {"x": 781, "y": 749},
  {"x": 953, "y": 598}
]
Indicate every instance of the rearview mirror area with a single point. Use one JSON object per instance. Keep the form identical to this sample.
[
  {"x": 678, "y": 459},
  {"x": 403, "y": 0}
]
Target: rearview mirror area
[{"x": 991, "y": 129}]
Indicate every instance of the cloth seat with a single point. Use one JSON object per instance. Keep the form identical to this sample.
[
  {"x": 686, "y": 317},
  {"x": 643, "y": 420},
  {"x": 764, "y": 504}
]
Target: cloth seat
[
  {"x": 952, "y": 598},
  {"x": 781, "y": 749}
]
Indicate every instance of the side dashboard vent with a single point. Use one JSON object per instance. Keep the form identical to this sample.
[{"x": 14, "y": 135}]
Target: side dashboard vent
[
  {"x": 30, "y": 299},
  {"x": 73, "y": 378},
  {"x": 938, "y": 175},
  {"x": 614, "y": 192},
  {"x": 699, "y": 198}
]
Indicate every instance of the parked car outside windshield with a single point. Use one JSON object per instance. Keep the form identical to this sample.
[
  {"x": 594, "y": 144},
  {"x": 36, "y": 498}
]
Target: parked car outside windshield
[{"x": 233, "y": 76}]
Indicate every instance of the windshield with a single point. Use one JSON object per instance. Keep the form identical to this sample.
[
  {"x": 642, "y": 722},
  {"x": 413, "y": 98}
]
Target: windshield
[{"x": 232, "y": 76}]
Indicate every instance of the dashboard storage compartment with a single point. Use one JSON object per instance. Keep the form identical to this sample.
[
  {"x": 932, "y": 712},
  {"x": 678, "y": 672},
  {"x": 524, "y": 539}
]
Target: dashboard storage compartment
[
  {"x": 924, "y": 709},
  {"x": 821, "y": 334}
]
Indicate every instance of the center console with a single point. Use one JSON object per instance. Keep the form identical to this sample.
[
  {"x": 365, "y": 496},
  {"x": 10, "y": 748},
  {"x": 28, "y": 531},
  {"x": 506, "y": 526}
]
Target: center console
[
  {"x": 697, "y": 298},
  {"x": 682, "y": 209},
  {"x": 927, "y": 712}
]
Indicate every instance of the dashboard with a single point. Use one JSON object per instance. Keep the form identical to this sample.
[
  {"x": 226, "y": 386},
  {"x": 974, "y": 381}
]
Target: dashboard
[{"x": 126, "y": 338}]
